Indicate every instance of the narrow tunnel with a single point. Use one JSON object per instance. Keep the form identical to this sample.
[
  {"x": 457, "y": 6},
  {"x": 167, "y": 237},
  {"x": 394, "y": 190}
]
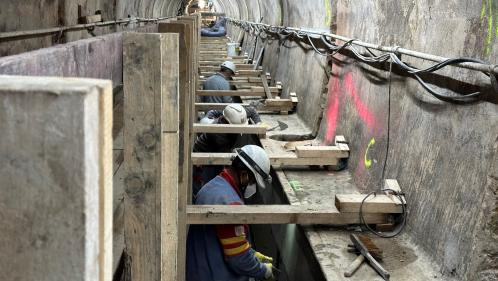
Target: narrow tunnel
[{"x": 411, "y": 86}]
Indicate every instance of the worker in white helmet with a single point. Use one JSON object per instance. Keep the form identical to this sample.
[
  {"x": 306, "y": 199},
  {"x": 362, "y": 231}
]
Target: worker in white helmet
[
  {"x": 232, "y": 114},
  {"x": 223, "y": 252},
  {"x": 219, "y": 81}
]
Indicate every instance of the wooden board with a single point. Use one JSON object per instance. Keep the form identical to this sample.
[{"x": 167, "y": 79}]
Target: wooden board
[
  {"x": 276, "y": 159},
  {"x": 321, "y": 151},
  {"x": 55, "y": 179},
  {"x": 221, "y": 106},
  {"x": 185, "y": 29},
  {"x": 241, "y": 74},
  {"x": 264, "y": 81},
  {"x": 151, "y": 116},
  {"x": 240, "y": 93},
  {"x": 230, "y": 129},
  {"x": 350, "y": 203},
  {"x": 275, "y": 214},
  {"x": 214, "y": 66}
]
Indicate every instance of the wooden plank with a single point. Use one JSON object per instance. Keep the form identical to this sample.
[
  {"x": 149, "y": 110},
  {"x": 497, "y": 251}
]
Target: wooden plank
[
  {"x": 55, "y": 178},
  {"x": 265, "y": 107},
  {"x": 151, "y": 116},
  {"x": 185, "y": 30},
  {"x": 266, "y": 87},
  {"x": 321, "y": 151},
  {"x": 240, "y": 93},
  {"x": 350, "y": 203},
  {"x": 275, "y": 214},
  {"x": 214, "y": 66},
  {"x": 276, "y": 160},
  {"x": 230, "y": 129}
]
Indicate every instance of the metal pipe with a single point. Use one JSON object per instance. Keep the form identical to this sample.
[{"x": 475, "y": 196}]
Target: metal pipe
[
  {"x": 55, "y": 30},
  {"x": 489, "y": 68}
]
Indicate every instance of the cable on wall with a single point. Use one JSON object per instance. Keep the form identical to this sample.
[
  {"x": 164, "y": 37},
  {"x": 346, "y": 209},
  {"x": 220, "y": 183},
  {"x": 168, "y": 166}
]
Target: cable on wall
[
  {"x": 7, "y": 36},
  {"x": 391, "y": 54}
]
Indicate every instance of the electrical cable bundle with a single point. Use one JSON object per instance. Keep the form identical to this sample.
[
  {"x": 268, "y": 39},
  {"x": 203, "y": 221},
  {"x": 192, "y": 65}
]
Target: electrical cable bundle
[{"x": 332, "y": 49}]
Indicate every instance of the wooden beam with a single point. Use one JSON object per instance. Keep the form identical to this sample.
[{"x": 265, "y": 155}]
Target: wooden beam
[
  {"x": 55, "y": 178},
  {"x": 266, "y": 87},
  {"x": 350, "y": 203},
  {"x": 266, "y": 107},
  {"x": 215, "y": 66},
  {"x": 276, "y": 160},
  {"x": 240, "y": 93},
  {"x": 275, "y": 214},
  {"x": 230, "y": 129},
  {"x": 151, "y": 153},
  {"x": 185, "y": 30},
  {"x": 321, "y": 151}
]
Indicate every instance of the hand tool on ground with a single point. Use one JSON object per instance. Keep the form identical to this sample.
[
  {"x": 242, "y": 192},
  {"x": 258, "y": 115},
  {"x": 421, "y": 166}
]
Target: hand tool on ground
[
  {"x": 364, "y": 245},
  {"x": 280, "y": 125}
]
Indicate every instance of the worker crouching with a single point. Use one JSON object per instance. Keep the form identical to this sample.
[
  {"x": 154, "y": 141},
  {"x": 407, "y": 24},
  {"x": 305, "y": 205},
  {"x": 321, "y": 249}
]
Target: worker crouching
[{"x": 223, "y": 252}]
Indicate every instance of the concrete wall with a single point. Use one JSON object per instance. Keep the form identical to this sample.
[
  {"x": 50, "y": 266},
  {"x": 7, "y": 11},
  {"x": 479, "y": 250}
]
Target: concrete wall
[
  {"x": 19, "y": 15},
  {"x": 444, "y": 155}
]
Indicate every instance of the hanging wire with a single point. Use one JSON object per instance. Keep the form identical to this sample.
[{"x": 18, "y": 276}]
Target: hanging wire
[{"x": 391, "y": 54}]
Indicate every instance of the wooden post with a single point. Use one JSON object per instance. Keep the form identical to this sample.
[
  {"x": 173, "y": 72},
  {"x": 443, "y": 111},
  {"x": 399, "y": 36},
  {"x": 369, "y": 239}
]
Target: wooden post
[
  {"x": 151, "y": 153},
  {"x": 55, "y": 179},
  {"x": 187, "y": 94}
]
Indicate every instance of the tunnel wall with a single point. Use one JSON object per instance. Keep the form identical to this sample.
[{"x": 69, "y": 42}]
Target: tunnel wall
[
  {"x": 443, "y": 155},
  {"x": 20, "y": 15}
]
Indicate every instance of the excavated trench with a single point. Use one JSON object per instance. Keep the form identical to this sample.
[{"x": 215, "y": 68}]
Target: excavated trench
[{"x": 444, "y": 155}]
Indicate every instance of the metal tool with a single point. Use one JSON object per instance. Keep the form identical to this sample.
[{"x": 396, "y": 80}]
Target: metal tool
[
  {"x": 373, "y": 262},
  {"x": 280, "y": 125}
]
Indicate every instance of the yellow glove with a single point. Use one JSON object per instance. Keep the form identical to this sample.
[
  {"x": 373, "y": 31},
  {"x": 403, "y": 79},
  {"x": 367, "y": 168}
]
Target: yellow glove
[
  {"x": 262, "y": 258},
  {"x": 267, "y": 126}
]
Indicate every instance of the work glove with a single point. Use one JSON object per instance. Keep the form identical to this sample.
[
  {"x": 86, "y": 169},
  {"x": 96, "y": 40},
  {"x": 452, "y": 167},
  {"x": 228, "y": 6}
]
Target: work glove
[
  {"x": 269, "y": 271},
  {"x": 266, "y": 125},
  {"x": 263, "y": 258}
]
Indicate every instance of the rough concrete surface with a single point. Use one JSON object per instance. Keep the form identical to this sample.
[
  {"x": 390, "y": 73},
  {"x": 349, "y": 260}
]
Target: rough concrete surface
[
  {"x": 20, "y": 15},
  {"x": 442, "y": 154}
]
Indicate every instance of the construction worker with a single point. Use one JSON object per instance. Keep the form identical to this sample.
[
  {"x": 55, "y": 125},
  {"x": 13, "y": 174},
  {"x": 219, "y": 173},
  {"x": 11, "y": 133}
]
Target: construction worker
[
  {"x": 219, "y": 81},
  {"x": 212, "y": 115},
  {"x": 232, "y": 114},
  {"x": 223, "y": 252}
]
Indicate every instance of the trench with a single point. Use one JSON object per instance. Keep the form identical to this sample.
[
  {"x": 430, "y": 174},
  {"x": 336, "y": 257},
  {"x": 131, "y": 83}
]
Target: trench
[{"x": 287, "y": 244}]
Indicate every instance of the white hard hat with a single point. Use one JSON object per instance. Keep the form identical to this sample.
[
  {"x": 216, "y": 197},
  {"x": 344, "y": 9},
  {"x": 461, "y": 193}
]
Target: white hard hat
[
  {"x": 256, "y": 159},
  {"x": 229, "y": 65},
  {"x": 235, "y": 114}
]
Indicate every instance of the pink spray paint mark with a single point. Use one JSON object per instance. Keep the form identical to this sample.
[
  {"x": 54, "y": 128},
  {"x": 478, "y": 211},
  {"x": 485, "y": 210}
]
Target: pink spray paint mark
[
  {"x": 332, "y": 108},
  {"x": 361, "y": 108}
]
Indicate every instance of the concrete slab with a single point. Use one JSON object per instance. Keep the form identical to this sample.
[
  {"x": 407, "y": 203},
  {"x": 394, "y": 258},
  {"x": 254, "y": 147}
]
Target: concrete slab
[{"x": 403, "y": 259}]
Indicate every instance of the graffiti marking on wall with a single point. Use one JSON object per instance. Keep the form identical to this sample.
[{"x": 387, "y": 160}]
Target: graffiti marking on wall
[
  {"x": 489, "y": 12},
  {"x": 368, "y": 162}
]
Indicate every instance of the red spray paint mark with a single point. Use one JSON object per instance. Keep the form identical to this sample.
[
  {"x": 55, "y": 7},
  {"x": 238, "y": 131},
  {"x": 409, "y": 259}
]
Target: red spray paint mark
[
  {"x": 332, "y": 108},
  {"x": 361, "y": 108},
  {"x": 335, "y": 91}
]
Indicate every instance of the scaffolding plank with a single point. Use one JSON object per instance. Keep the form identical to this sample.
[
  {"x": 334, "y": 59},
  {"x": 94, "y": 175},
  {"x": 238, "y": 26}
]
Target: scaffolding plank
[
  {"x": 276, "y": 159},
  {"x": 275, "y": 214},
  {"x": 264, "y": 81},
  {"x": 151, "y": 117},
  {"x": 230, "y": 129},
  {"x": 321, "y": 151},
  {"x": 350, "y": 203},
  {"x": 55, "y": 178},
  {"x": 240, "y": 93}
]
